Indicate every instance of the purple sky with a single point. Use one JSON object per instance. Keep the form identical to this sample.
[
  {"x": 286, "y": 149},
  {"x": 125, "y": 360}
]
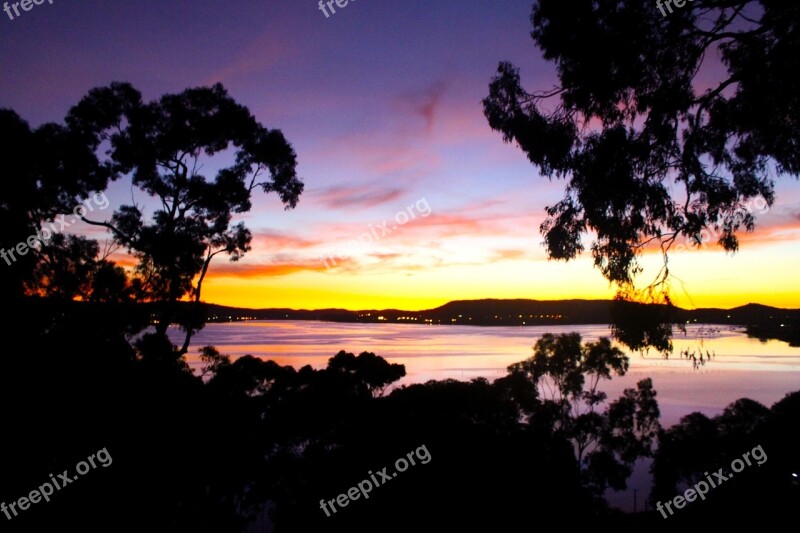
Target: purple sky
[{"x": 381, "y": 101}]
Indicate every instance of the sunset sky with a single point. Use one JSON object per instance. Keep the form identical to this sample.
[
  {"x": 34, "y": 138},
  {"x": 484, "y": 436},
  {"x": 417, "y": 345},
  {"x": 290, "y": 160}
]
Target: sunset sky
[{"x": 382, "y": 103}]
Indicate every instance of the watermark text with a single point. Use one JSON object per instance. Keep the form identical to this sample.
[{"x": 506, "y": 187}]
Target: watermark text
[
  {"x": 48, "y": 488},
  {"x": 365, "y": 486},
  {"x": 701, "y": 488}
]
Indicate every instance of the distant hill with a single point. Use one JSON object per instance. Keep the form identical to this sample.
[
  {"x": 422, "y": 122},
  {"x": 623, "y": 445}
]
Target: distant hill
[{"x": 519, "y": 312}]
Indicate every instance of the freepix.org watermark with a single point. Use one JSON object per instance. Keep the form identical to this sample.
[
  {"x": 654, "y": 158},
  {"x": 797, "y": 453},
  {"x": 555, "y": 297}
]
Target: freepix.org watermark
[
  {"x": 330, "y": 3},
  {"x": 377, "y": 232},
  {"x": 701, "y": 488},
  {"x": 365, "y": 487},
  {"x": 714, "y": 231},
  {"x": 48, "y": 488},
  {"x": 26, "y": 5},
  {"x": 44, "y": 234},
  {"x": 678, "y": 3}
]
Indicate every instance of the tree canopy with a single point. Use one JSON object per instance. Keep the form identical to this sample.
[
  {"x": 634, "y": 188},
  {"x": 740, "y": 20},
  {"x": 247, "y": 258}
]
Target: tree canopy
[
  {"x": 162, "y": 144},
  {"x": 162, "y": 147},
  {"x": 565, "y": 375},
  {"x": 661, "y": 125},
  {"x": 49, "y": 169}
]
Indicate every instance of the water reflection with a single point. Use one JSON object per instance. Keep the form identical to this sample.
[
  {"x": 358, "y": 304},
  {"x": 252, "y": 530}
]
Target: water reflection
[{"x": 742, "y": 367}]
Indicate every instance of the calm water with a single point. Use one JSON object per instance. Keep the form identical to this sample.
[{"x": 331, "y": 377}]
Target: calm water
[{"x": 742, "y": 367}]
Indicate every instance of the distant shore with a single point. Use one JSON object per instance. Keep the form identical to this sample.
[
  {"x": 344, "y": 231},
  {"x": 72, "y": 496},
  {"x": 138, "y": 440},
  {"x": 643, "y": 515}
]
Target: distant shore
[{"x": 760, "y": 321}]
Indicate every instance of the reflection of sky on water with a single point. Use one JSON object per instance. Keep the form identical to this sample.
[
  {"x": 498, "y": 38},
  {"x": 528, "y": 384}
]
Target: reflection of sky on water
[{"x": 742, "y": 367}]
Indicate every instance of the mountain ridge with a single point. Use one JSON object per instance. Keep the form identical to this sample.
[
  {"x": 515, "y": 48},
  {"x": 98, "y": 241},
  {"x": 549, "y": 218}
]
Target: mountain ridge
[{"x": 517, "y": 311}]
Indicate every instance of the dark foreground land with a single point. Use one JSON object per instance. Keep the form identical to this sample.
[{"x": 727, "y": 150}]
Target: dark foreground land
[{"x": 253, "y": 442}]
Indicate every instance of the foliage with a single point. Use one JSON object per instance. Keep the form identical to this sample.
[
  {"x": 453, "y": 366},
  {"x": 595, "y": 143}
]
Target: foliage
[
  {"x": 565, "y": 375},
  {"x": 650, "y": 150},
  {"x": 162, "y": 144},
  {"x": 698, "y": 447}
]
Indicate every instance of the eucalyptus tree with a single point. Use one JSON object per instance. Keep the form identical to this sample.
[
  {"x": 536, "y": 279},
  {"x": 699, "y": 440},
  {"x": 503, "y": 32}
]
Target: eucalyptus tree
[
  {"x": 661, "y": 124},
  {"x": 164, "y": 146},
  {"x": 608, "y": 438},
  {"x": 48, "y": 170}
]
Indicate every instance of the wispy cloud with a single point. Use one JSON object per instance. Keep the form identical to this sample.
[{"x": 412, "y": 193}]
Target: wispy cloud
[
  {"x": 343, "y": 196},
  {"x": 500, "y": 255},
  {"x": 262, "y": 54},
  {"x": 278, "y": 268},
  {"x": 272, "y": 241},
  {"x": 424, "y": 102}
]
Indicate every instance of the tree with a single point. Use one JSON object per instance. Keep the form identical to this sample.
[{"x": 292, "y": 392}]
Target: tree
[
  {"x": 213, "y": 361},
  {"x": 628, "y": 431},
  {"x": 65, "y": 267},
  {"x": 367, "y": 371},
  {"x": 649, "y": 152},
  {"x": 564, "y": 376},
  {"x": 698, "y": 444},
  {"x": 163, "y": 144},
  {"x": 49, "y": 170},
  {"x": 110, "y": 283}
]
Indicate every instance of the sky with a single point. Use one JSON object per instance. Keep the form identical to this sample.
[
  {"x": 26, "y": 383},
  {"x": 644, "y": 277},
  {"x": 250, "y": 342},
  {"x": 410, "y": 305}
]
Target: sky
[{"x": 381, "y": 100}]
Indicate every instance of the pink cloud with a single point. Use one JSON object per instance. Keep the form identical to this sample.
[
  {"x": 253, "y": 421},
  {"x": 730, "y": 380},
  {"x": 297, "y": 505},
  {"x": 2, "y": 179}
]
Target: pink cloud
[
  {"x": 259, "y": 56},
  {"x": 425, "y": 102},
  {"x": 272, "y": 240},
  {"x": 341, "y": 196},
  {"x": 227, "y": 269}
]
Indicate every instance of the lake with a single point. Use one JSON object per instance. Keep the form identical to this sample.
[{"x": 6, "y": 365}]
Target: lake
[{"x": 743, "y": 367}]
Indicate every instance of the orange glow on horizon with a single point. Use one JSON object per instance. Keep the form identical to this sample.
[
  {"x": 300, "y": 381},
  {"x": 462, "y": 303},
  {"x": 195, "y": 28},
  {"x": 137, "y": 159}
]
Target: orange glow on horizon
[{"x": 510, "y": 279}]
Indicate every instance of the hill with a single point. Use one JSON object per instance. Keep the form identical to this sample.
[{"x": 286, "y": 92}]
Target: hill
[{"x": 515, "y": 312}]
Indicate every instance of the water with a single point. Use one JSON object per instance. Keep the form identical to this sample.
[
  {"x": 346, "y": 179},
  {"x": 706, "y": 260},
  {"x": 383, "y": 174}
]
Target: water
[{"x": 743, "y": 367}]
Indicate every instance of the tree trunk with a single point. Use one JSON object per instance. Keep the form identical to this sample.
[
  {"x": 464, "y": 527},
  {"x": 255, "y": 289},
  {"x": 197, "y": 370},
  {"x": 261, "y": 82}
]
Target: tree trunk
[{"x": 189, "y": 333}]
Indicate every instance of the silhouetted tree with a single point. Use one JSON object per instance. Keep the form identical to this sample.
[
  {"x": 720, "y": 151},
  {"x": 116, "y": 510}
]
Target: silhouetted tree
[
  {"x": 110, "y": 283},
  {"x": 698, "y": 447},
  {"x": 368, "y": 369},
  {"x": 698, "y": 444},
  {"x": 48, "y": 171},
  {"x": 85, "y": 375},
  {"x": 649, "y": 152},
  {"x": 163, "y": 143},
  {"x": 627, "y": 432},
  {"x": 565, "y": 375},
  {"x": 213, "y": 361},
  {"x": 65, "y": 268}
]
